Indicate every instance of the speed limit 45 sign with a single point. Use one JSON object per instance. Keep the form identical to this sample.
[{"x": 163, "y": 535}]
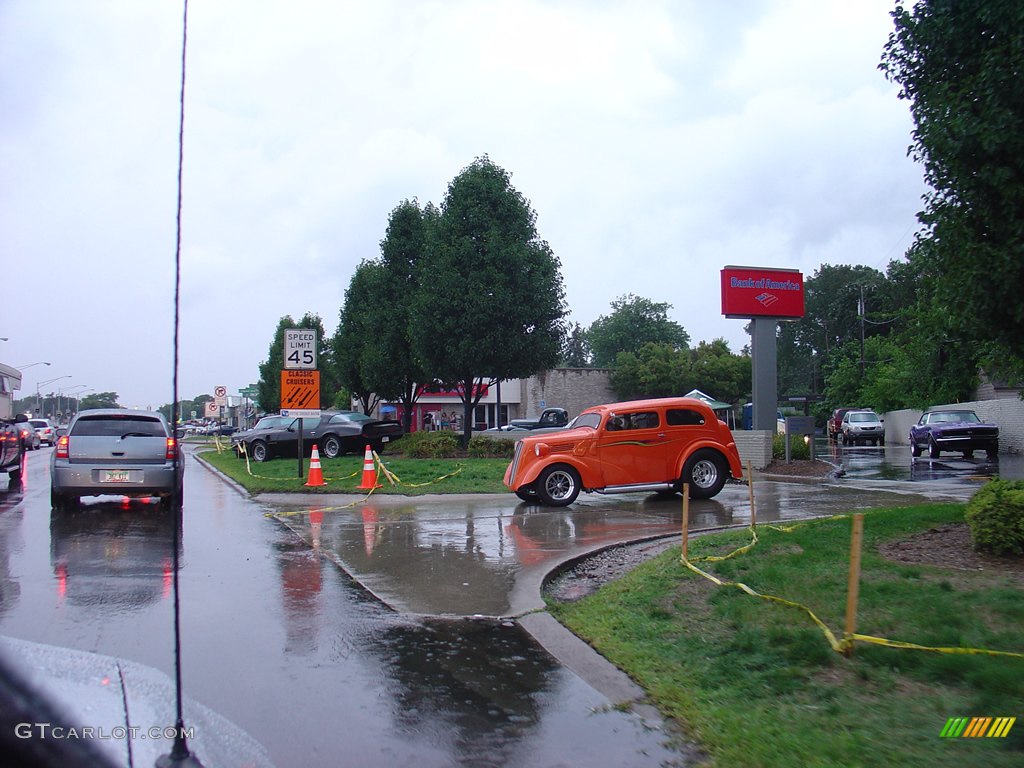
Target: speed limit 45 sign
[{"x": 300, "y": 349}]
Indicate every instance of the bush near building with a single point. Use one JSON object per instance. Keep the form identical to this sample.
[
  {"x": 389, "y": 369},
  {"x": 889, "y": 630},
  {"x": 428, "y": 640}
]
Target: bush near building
[{"x": 995, "y": 515}]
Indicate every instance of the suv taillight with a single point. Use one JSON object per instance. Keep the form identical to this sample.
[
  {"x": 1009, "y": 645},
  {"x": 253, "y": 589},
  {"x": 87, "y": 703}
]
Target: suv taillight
[
  {"x": 62, "y": 447},
  {"x": 172, "y": 448}
]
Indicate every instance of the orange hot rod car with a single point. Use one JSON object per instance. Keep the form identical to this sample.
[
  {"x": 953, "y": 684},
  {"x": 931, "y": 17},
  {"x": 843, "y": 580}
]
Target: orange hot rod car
[{"x": 644, "y": 445}]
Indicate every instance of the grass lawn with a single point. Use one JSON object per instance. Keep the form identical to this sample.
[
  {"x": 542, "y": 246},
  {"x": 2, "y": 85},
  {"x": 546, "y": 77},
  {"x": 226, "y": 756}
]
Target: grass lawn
[
  {"x": 756, "y": 683},
  {"x": 345, "y": 473}
]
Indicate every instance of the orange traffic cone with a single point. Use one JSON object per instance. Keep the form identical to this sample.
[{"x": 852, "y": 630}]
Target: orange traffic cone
[
  {"x": 369, "y": 481},
  {"x": 316, "y": 475}
]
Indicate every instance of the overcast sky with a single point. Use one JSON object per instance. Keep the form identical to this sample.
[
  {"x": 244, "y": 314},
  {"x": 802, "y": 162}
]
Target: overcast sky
[{"x": 657, "y": 142}]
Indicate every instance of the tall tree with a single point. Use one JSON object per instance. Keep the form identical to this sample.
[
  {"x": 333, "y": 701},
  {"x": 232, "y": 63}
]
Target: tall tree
[
  {"x": 655, "y": 370},
  {"x": 358, "y": 322},
  {"x": 99, "y": 400},
  {"x": 389, "y": 365},
  {"x": 959, "y": 63},
  {"x": 491, "y": 304},
  {"x": 576, "y": 350},
  {"x": 833, "y": 315},
  {"x": 633, "y": 322},
  {"x": 716, "y": 371}
]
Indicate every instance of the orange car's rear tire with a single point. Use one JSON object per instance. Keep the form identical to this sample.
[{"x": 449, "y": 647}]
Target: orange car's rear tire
[{"x": 705, "y": 472}]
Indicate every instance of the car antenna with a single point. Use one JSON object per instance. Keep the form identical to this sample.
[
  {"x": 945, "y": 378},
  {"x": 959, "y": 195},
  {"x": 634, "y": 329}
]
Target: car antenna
[{"x": 179, "y": 754}]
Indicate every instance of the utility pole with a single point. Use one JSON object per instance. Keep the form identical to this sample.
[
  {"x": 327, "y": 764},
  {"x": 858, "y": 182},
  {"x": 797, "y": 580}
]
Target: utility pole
[{"x": 861, "y": 311}]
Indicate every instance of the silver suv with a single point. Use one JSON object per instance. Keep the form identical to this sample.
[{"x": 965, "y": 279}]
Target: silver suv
[
  {"x": 119, "y": 452},
  {"x": 862, "y": 427},
  {"x": 46, "y": 431}
]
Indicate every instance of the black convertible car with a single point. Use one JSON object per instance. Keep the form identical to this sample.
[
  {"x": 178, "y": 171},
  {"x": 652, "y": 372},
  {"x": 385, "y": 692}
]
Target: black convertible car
[{"x": 333, "y": 432}]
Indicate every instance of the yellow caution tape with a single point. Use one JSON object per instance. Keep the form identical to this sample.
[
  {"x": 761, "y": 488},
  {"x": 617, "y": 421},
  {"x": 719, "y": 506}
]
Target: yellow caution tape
[
  {"x": 933, "y": 649},
  {"x": 734, "y": 553},
  {"x": 381, "y": 469},
  {"x": 837, "y": 645},
  {"x": 840, "y": 646},
  {"x": 396, "y": 480}
]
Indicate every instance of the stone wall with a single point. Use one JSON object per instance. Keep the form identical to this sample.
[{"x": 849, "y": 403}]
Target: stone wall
[
  {"x": 574, "y": 389},
  {"x": 1006, "y": 412},
  {"x": 755, "y": 447}
]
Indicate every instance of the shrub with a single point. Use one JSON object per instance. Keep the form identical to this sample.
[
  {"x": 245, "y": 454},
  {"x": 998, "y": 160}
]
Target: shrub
[
  {"x": 995, "y": 515},
  {"x": 481, "y": 447},
  {"x": 798, "y": 449},
  {"x": 430, "y": 445}
]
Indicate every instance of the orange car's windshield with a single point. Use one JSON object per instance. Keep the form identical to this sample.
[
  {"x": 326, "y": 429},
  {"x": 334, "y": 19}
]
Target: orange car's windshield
[{"x": 591, "y": 420}]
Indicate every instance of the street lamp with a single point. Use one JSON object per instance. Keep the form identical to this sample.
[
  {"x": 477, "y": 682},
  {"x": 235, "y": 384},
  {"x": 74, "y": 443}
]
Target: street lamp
[
  {"x": 42, "y": 383},
  {"x": 67, "y": 392},
  {"x": 23, "y": 367},
  {"x": 78, "y": 397}
]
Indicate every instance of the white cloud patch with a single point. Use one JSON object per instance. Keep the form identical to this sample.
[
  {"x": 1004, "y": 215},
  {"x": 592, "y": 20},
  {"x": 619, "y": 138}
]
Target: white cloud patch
[{"x": 657, "y": 141}]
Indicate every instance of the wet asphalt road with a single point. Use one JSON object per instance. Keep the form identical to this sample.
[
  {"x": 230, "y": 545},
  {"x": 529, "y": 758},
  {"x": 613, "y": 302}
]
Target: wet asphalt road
[{"x": 282, "y": 641}]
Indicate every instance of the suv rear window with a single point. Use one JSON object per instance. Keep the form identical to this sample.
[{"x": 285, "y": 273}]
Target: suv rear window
[{"x": 117, "y": 426}]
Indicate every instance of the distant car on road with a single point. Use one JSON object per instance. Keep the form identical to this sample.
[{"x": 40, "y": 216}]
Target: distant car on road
[
  {"x": 862, "y": 427},
  {"x": 655, "y": 445},
  {"x": 116, "y": 451},
  {"x": 953, "y": 430},
  {"x": 46, "y": 431},
  {"x": 29, "y": 437}
]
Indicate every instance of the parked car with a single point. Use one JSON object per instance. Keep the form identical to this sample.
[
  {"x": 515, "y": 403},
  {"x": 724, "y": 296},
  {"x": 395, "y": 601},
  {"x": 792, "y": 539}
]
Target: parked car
[
  {"x": 116, "y": 451},
  {"x": 334, "y": 432},
  {"x": 643, "y": 445},
  {"x": 862, "y": 427},
  {"x": 29, "y": 436},
  {"x": 956, "y": 430},
  {"x": 350, "y": 432},
  {"x": 12, "y": 449},
  {"x": 274, "y": 435},
  {"x": 835, "y": 423},
  {"x": 46, "y": 431},
  {"x": 550, "y": 418}
]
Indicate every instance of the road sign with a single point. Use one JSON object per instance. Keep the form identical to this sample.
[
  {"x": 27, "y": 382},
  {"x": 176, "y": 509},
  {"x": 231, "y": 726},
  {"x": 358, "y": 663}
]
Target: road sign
[
  {"x": 212, "y": 409},
  {"x": 300, "y": 390},
  {"x": 220, "y": 395},
  {"x": 300, "y": 349}
]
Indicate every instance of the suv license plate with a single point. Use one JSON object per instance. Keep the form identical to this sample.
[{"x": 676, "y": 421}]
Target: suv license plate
[
  {"x": 118, "y": 476},
  {"x": 385, "y": 439}
]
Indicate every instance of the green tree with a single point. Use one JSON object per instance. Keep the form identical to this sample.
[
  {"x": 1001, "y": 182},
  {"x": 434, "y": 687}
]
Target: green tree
[
  {"x": 491, "y": 306},
  {"x": 655, "y": 370},
  {"x": 99, "y": 400},
  {"x": 959, "y": 64},
  {"x": 268, "y": 385},
  {"x": 633, "y": 322},
  {"x": 186, "y": 407},
  {"x": 389, "y": 364},
  {"x": 358, "y": 321},
  {"x": 832, "y": 298},
  {"x": 716, "y": 371},
  {"x": 576, "y": 350}
]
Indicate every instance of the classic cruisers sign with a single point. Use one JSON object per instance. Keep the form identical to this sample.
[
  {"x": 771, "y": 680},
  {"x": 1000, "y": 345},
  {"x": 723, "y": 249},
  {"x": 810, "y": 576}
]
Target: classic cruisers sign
[{"x": 762, "y": 292}]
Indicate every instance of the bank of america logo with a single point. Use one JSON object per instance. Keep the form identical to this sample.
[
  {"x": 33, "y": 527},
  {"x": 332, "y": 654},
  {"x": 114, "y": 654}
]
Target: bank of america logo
[
  {"x": 766, "y": 299},
  {"x": 977, "y": 727}
]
